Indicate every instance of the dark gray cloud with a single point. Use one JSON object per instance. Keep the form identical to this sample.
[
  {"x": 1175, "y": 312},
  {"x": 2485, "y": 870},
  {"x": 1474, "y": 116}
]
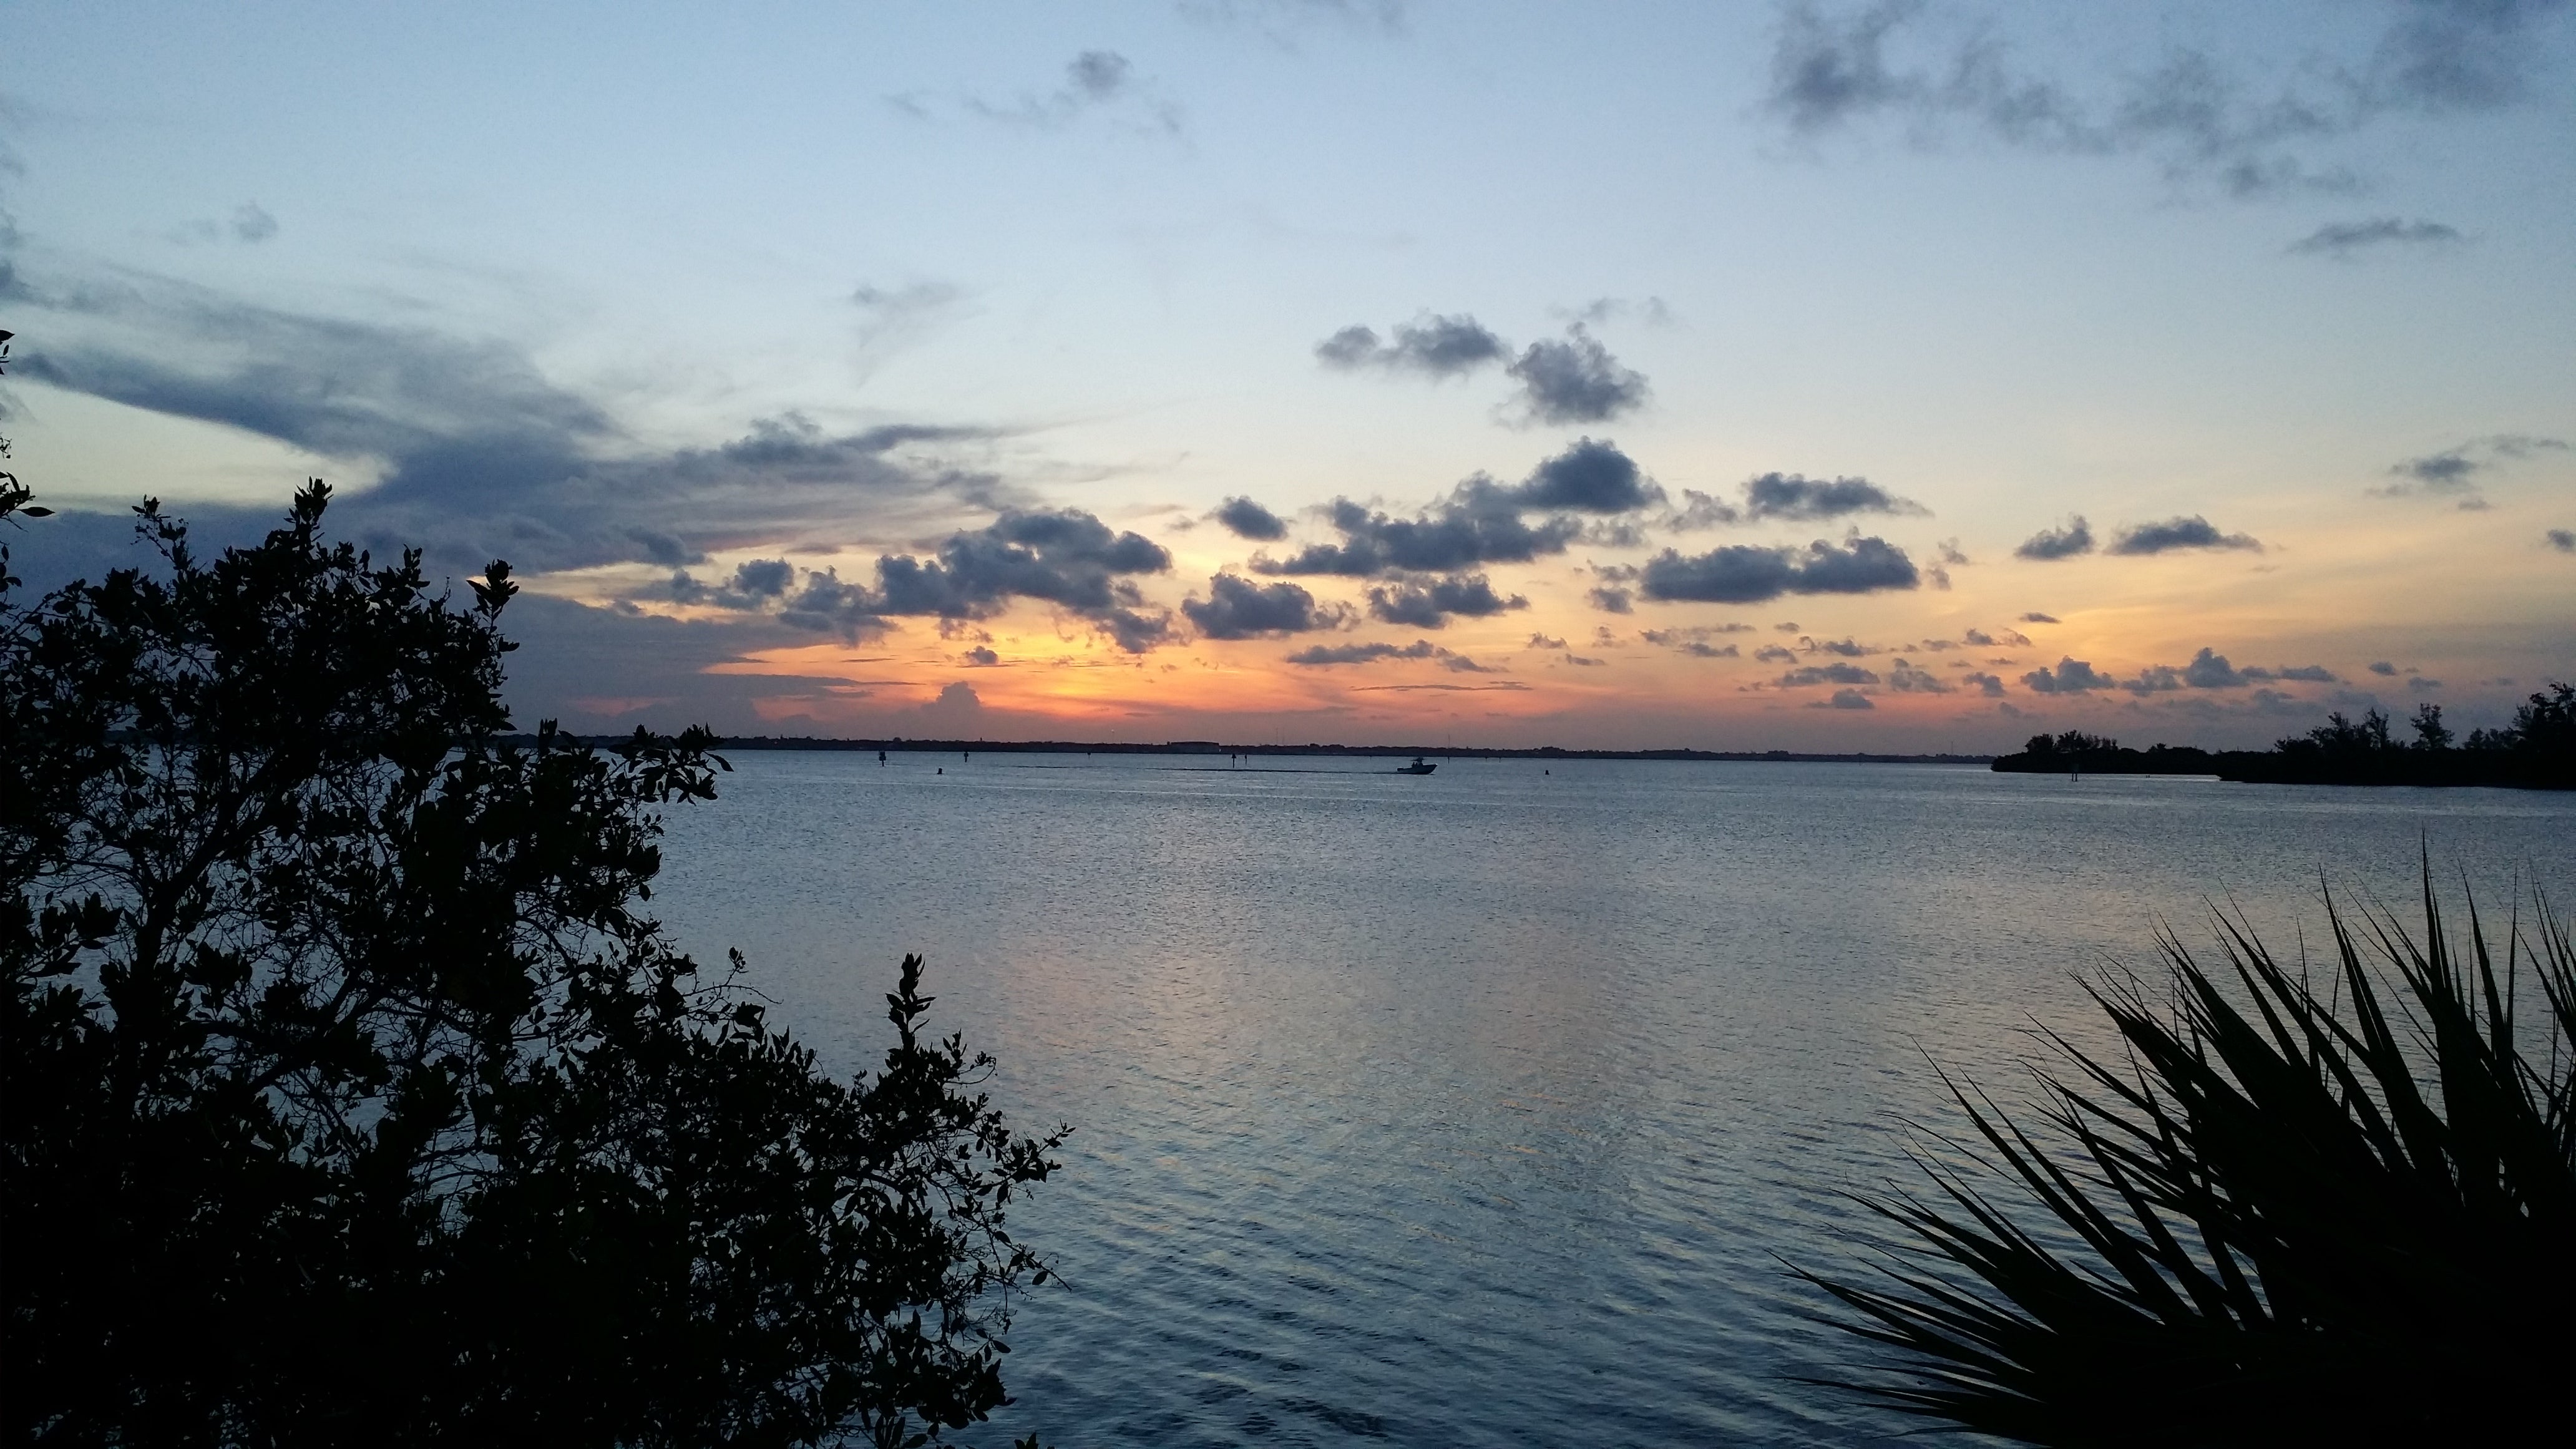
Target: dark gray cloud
[
  {"x": 2383, "y": 668},
  {"x": 1428, "y": 603},
  {"x": 1834, "y": 673},
  {"x": 478, "y": 455},
  {"x": 1247, "y": 519},
  {"x": 1774, "y": 654},
  {"x": 1740, "y": 574},
  {"x": 2076, "y": 537},
  {"x": 2179, "y": 533},
  {"x": 1432, "y": 345},
  {"x": 2071, "y": 676},
  {"x": 1906, "y": 678},
  {"x": 2343, "y": 239},
  {"x": 1480, "y": 521},
  {"x": 1700, "y": 510},
  {"x": 1613, "y": 600},
  {"x": 2454, "y": 472},
  {"x": 1802, "y": 499},
  {"x": 1847, "y": 648},
  {"x": 2419, "y": 683},
  {"x": 1575, "y": 380},
  {"x": 1986, "y": 684},
  {"x": 1695, "y": 641},
  {"x": 1475, "y": 525},
  {"x": 1237, "y": 608},
  {"x": 2197, "y": 116},
  {"x": 2210, "y": 670},
  {"x": 981, "y": 657},
  {"x": 1588, "y": 477},
  {"x": 1062, "y": 556},
  {"x": 2562, "y": 539},
  {"x": 1844, "y": 699},
  {"x": 1325, "y": 655},
  {"x": 2316, "y": 673},
  {"x": 2035, "y": 617}
]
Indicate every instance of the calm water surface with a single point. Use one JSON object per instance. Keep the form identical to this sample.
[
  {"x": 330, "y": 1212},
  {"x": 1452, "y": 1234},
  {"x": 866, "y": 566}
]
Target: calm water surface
[{"x": 1484, "y": 1108}]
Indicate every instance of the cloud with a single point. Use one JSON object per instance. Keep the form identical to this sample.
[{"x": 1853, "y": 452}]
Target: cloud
[
  {"x": 2198, "y": 117},
  {"x": 1247, "y": 519},
  {"x": 1474, "y": 526},
  {"x": 2056, "y": 543},
  {"x": 1774, "y": 654},
  {"x": 478, "y": 455},
  {"x": 1844, "y": 699},
  {"x": 252, "y": 223},
  {"x": 1479, "y": 522},
  {"x": 1428, "y": 604},
  {"x": 1093, "y": 80},
  {"x": 2071, "y": 676},
  {"x": 2178, "y": 533},
  {"x": 2383, "y": 668},
  {"x": 1432, "y": 345},
  {"x": 1906, "y": 678},
  {"x": 2035, "y": 617},
  {"x": 1847, "y": 648},
  {"x": 1834, "y": 673},
  {"x": 2419, "y": 683},
  {"x": 1611, "y": 600},
  {"x": 1695, "y": 641},
  {"x": 1806, "y": 500},
  {"x": 2562, "y": 539},
  {"x": 1740, "y": 574},
  {"x": 1588, "y": 477},
  {"x": 2210, "y": 670},
  {"x": 2316, "y": 673},
  {"x": 2453, "y": 472},
  {"x": 1327, "y": 655},
  {"x": 1575, "y": 380},
  {"x": 1062, "y": 556},
  {"x": 1700, "y": 510},
  {"x": 982, "y": 657},
  {"x": 1988, "y": 685},
  {"x": 1237, "y": 608},
  {"x": 2344, "y": 239}
]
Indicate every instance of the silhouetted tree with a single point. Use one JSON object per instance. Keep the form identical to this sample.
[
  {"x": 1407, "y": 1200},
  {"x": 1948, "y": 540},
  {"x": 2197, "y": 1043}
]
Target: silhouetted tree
[
  {"x": 350, "y": 1098},
  {"x": 2430, "y": 732}
]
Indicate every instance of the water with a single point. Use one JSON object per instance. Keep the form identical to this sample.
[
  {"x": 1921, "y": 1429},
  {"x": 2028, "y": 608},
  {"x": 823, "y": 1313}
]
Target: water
[{"x": 1484, "y": 1108}]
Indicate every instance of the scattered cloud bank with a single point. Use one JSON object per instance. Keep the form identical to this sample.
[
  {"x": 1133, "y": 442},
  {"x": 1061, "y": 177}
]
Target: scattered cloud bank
[
  {"x": 1741, "y": 574},
  {"x": 1237, "y": 608},
  {"x": 2198, "y": 116},
  {"x": 1480, "y": 522},
  {"x": 1572, "y": 379},
  {"x": 2455, "y": 472},
  {"x": 1428, "y": 603},
  {"x": 1325, "y": 656},
  {"x": 1790, "y": 497}
]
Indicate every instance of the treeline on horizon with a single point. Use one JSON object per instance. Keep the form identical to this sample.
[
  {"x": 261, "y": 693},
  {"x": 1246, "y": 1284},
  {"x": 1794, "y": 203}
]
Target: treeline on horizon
[
  {"x": 2535, "y": 752},
  {"x": 897, "y": 744}
]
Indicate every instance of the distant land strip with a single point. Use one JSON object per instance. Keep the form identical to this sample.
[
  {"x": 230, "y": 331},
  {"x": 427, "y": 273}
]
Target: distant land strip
[{"x": 900, "y": 745}]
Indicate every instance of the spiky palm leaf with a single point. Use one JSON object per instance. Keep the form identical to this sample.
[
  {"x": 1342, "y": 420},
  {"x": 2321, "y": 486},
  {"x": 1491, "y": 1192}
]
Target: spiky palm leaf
[{"x": 2306, "y": 1217}]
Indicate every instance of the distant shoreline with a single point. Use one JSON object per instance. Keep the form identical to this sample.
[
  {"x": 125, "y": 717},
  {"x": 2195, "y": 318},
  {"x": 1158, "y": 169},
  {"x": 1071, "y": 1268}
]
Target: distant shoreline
[{"x": 1216, "y": 747}]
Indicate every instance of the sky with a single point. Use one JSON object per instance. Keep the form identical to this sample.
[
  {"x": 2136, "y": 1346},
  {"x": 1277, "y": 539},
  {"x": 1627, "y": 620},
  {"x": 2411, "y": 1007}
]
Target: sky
[{"x": 1811, "y": 376}]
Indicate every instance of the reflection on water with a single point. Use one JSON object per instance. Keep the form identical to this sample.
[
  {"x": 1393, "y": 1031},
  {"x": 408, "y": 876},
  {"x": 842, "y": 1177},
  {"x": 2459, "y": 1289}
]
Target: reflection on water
[{"x": 1481, "y": 1108}]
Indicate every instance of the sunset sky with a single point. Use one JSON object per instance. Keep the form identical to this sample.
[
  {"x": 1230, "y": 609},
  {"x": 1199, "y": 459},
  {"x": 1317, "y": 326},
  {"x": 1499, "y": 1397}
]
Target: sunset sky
[{"x": 1909, "y": 376}]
